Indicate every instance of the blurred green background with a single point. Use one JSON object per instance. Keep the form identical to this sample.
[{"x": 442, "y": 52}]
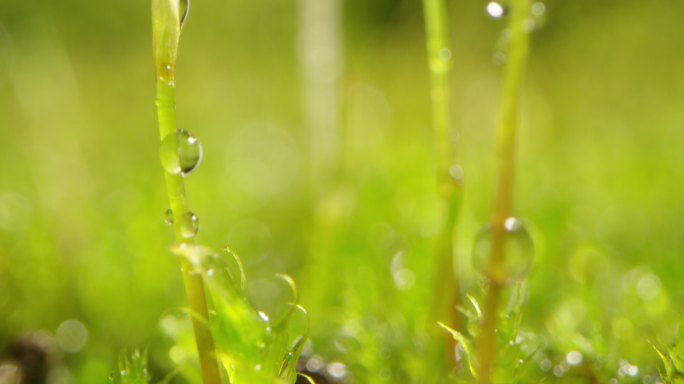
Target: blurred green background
[{"x": 351, "y": 213}]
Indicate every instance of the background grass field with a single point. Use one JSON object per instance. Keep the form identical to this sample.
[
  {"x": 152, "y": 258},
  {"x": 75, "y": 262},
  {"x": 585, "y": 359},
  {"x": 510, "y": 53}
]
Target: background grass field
[{"x": 82, "y": 203}]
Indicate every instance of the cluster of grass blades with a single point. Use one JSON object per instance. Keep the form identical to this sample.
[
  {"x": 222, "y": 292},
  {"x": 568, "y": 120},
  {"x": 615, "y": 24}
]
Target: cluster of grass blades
[
  {"x": 491, "y": 343},
  {"x": 470, "y": 338},
  {"x": 503, "y": 250}
]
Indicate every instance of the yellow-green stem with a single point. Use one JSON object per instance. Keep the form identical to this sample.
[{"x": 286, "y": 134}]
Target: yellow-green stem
[
  {"x": 447, "y": 288},
  {"x": 166, "y": 28},
  {"x": 512, "y": 79},
  {"x": 194, "y": 285}
]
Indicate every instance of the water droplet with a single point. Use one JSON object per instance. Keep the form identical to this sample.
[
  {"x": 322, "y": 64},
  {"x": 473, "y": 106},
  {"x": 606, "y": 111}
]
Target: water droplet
[
  {"x": 517, "y": 251},
  {"x": 404, "y": 279},
  {"x": 180, "y": 153},
  {"x": 627, "y": 369},
  {"x": 71, "y": 335},
  {"x": 184, "y": 11},
  {"x": 166, "y": 73},
  {"x": 495, "y": 10},
  {"x": 168, "y": 216},
  {"x": 315, "y": 363},
  {"x": 189, "y": 225},
  {"x": 545, "y": 365},
  {"x": 573, "y": 358},
  {"x": 346, "y": 341},
  {"x": 537, "y": 17},
  {"x": 648, "y": 287},
  {"x": 538, "y": 9},
  {"x": 441, "y": 62},
  {"x": 445, "y": 54},
  {"x": 337, "y": 370},
  {"x": 457, "y": 173}
]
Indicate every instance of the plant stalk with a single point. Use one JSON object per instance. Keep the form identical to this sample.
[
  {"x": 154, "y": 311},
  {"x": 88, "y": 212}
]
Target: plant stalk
[
  {"x": 439, "y": 62},
  {"x": 194, "y": 284},
  {"x": 506, "y": 141},
  {"x": 166, "y": 32}
]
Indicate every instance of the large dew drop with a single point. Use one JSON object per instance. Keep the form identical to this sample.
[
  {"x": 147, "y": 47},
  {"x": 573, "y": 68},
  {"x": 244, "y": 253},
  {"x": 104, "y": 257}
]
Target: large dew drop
[
  {"x": 518, "y": 253},
  {"x": 180, "y": 153}
]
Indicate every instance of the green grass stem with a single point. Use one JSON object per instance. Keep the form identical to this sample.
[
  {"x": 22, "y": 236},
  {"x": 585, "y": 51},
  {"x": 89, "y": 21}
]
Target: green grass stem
[
  {"x": 446, "y": 293},
  {"x": 166, "y": 29},
  {"x": 506, "y": 141}
]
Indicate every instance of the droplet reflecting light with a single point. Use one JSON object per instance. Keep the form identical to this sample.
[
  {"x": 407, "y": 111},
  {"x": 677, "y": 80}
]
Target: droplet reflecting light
[
  {"x": 516, "y": 253},
  {"x": 180, "y": 153},
  {"x": 495, "y": 9},
  {"x": 71, "y": 335}
]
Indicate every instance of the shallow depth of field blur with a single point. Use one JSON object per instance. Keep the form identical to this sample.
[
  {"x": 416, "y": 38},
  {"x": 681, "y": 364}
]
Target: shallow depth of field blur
[{"x": 352, "y": 213}]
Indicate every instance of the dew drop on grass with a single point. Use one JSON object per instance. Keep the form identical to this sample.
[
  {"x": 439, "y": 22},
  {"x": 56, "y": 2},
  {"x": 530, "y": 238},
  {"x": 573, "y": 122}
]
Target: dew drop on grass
[
  {"x": 574, "y": 358},
  {"x": 315, "y": 363},
  {"x": 189, "y": 225},
  {"x": 337, "y": 370},
  {"x": 180, "y": 153},
  {"x": 518, "y": 251},
  {"x": 166, "y": 74},
  {"x": 71, "y": 335},
  {"x": 495, "y": 9},
  {"x": 457, "y": 174},
  {"x": 538, "y": 9},
  {"x": 441, "y": 62},
  {"x": 168, "y": 216}
]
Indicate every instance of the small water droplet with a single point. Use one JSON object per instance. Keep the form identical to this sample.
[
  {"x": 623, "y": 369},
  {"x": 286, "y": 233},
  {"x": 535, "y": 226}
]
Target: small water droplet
[
  {"x": 445, "y": 54},
  {"x": 337, "y": 370},
  {"x": 180, "y": 153},
  {"x": 71, "y": 335},
  {"x": 189, "y": 225},
  {"x": 648, "y": 287},
  {"x": 518, "y": 253},
  {"x": 166, "y": 73},
  {"x": 545, "y": 365},
  {"x": 315, "y": 363},
  {"x": 573, "y": 358},
  {"x": 441, "y": 62},
  {"x": 457, "y": 173},
  {"x": 168, "y": 216},
  {"x": 495, "y": 9},
  {"x": 538, "y": 9}
]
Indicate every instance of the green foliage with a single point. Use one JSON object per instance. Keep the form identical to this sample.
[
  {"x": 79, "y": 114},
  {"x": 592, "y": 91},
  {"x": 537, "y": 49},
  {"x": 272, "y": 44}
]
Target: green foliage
[
  {"x": 132, "y": 369},
  {"x": 599, "y": 183},
  {"x": 252, "y": 346},
  {"x": 672, "y": 367}
]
